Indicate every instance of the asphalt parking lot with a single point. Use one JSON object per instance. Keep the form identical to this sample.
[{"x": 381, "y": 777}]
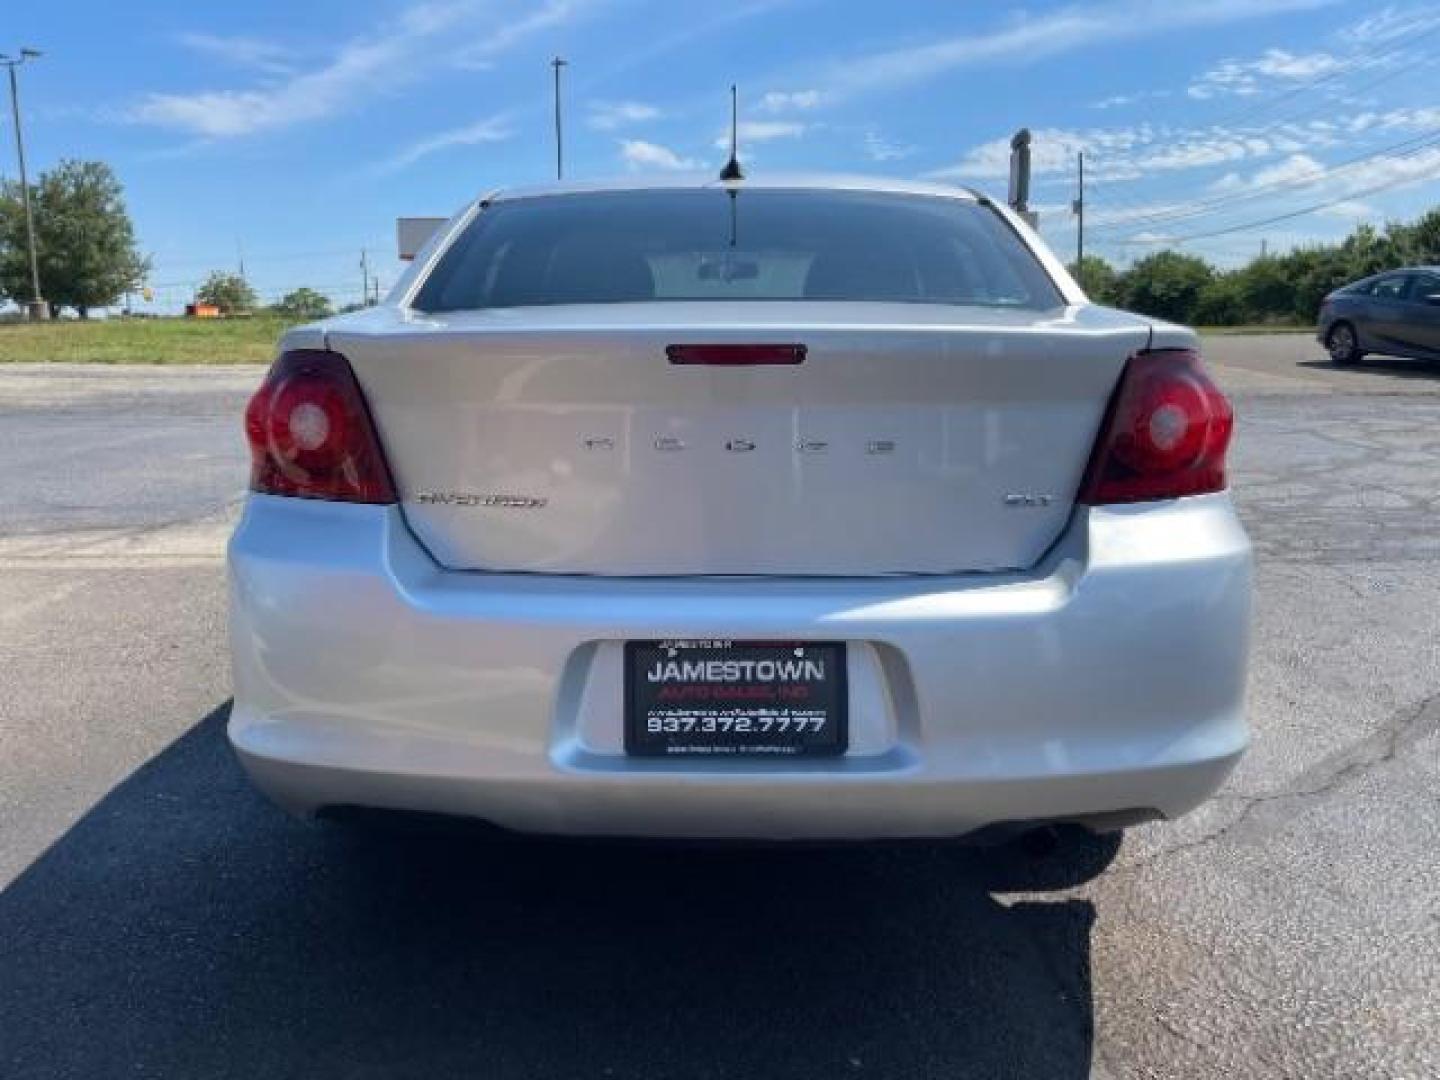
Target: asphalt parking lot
[{"x": 159, "y": 919}]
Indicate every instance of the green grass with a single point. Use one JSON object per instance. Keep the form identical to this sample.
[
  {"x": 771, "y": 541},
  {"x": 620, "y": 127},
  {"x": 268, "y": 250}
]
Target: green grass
[
  {"x": 220, "y": 341},
  {"x": 143, "y": 341},
  {"x": 1260, "y": 328}
]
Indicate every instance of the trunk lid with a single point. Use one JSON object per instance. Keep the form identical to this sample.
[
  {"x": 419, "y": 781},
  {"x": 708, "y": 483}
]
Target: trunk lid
[{"x": 913, "y": 438}]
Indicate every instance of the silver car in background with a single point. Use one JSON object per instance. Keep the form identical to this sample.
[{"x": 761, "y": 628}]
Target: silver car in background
[
  {"x": 750, "y": 509},
  {"x": 1396, "y": 313}
]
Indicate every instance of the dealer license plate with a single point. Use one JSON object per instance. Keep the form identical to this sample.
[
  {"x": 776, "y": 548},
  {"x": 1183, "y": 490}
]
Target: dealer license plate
[{"x": 735, "y": 698}]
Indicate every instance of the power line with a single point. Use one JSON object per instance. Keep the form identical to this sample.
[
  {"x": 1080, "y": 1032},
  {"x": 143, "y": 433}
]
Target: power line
[
  {"x": 1360, "y": 63},
  {"x": 1274, "y": 125},
  {"x": 1247, "y": 226},
  {"x": 1222, "y": 203},
  {"x": 1250, "y": 111},
  {"x": 251, "y": 258}
]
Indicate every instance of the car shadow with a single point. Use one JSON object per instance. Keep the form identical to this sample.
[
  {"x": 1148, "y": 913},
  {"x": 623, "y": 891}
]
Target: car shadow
[
  {"x": 185, "y": 928},
  {"x": 1400, "y": 367}
]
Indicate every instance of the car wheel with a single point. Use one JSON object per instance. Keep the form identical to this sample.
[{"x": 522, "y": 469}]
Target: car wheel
[{"x": 1343, "y": 346}]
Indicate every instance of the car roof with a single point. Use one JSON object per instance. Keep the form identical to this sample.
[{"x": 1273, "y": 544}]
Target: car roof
[{"x": 709, "y": 181}]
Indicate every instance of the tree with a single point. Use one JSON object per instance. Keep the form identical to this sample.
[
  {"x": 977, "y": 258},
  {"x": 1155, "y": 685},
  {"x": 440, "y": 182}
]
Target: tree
[
  {"x": 1097, "y": 277},
  {"x": 1368, "y": 252},
  {"x": 1166, "y": 285},
  {"x": 1265, "y": 288},
  {"x": 228, "y": 292},
  {"x": 1222, "y": 301},
  {"x": 1280, "y": 288},
  {"x": 84, "y": 240},
  {"x": 1422, "y": 240},
  {"x": 304, "y": 303},
  {"x": 1313, "y": 272}
]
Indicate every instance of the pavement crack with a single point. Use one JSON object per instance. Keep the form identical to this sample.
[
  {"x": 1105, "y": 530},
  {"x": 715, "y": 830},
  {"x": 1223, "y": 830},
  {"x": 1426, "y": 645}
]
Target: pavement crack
[
  {"x": 1184, "y": 1036},
  {"x": 1366, "y": 755}
]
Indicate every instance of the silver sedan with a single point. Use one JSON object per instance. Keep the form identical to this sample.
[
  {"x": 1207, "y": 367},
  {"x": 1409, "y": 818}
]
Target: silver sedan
[{"x": 800, "y": 509}]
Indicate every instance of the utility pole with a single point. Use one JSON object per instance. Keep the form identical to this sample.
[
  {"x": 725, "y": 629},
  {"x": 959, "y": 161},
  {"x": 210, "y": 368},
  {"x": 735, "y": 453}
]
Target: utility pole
[
  {"x": 364, "y": 279},
  {"x": 558, "y": 63},
  {"x": 1264, "y": 246},
  {"x": 1079, "y": 208},
  {"x": 35, "y": 308}
]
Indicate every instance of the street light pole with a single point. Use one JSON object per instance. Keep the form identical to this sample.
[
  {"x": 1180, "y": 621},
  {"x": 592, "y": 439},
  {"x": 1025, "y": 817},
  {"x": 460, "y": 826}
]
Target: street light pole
[{"x": 36, "y": 308}]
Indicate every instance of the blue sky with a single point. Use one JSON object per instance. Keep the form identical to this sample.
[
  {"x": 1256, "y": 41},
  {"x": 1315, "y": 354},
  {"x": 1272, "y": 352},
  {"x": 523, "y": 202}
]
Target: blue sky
[{"x": 297, "y": 132}]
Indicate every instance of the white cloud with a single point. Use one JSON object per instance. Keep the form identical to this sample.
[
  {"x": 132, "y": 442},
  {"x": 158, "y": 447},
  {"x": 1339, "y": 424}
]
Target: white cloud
[
  {"x": 1141, "y": 212},
  {"x": 1119, "y": 101},
  {"x": 1032, "y": 38},
  {"x": 1295, "y": 169},
  {"x": 246, "y": 52},
  {"x": 1279, "y": 64},
  {"x": 755, "y": 131},
  {"x": 493, "y": 35},
  {"x": 1393, "y": 23},
  {"x": 1052, "y": 150},
  {"x": 609, "y": 115},
  {"x": 1413, "y": 168},
  {"x": 1303, "y": 173},
  {"x": 490, "y": 130},
  {"x": 360, "y": 69},
  {"x": 639, "y": 154},
  {"x": 224, "y": 114},
  {"x": 1298, "y": 184},
  {"x": 1214, "y": 147},
  {"x": 1419, "y": 118},
  {"x": 879, "y": 148},
  {"x": 1151, "y": 237},
  {"x": 777, "y": 101},
  {"x": 1134, "y": 151},
  {"x": 1243, "y": 78},
  {"x": 1350, "y": 210}
]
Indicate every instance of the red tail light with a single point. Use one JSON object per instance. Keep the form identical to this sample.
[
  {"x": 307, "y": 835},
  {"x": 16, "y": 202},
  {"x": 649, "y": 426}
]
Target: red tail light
[
  {"x": 1165, "y": 433},
  {"x": 736, "y": 355},
  {"x": 311, "y": 435}
]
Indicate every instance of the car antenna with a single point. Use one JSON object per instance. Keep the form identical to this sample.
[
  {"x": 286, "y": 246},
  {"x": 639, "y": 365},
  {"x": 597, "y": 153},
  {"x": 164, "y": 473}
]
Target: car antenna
[{"x": 732, "y": 170}]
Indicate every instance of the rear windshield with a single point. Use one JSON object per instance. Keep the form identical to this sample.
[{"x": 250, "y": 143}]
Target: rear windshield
[{"x": 628, "y": 246}]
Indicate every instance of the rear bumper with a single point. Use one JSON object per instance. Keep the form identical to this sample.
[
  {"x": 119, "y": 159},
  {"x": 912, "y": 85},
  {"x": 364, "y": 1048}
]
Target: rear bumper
[{"x": 1108, "y": 679}]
